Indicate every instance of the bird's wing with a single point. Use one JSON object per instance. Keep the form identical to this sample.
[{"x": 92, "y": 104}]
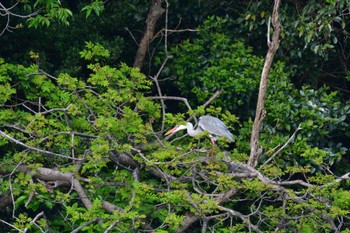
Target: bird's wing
[{"x": 214, "y": 126}]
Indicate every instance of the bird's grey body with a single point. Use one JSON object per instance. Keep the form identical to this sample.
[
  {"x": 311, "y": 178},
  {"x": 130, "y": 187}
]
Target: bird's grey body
[{"x": 215, "y": 127}]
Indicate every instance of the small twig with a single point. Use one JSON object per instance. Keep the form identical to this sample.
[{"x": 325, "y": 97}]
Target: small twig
[
  {"x": 11, "y": 192},
  {"x": 173, "y": 98},
  {"x": 39, "y": 107},
  {"x": 32, "y": 194},
  {"x": 244, "y": 218},
  {"x": 54, "y": 109},
  {"x": 34, "y": 148},
  {"x": 47, "y": 74},
  {"x": 268, "y": 31},
  {"x": 346, "y": 176},
  {"x": 34, "y": 221},
  {"x": 76, "y": 230},
  {"x": 19, "y": 230},
  {"x": 175, "y": 31},
  {"x": 216, "y": 94},
  {"x": 155, "y": 79},
  {"x": 157, "y": 170},
  {"x": 7, "y": 12},
  {"x": 111, "y": 226},
  {"x": 284, "y": 146},
  {"x": 166, "y": 29},
  {"x": 132, "y": 36}
]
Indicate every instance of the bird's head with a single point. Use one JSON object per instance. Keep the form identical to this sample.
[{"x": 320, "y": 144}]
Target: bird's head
[{"x": 175, "y": 129}]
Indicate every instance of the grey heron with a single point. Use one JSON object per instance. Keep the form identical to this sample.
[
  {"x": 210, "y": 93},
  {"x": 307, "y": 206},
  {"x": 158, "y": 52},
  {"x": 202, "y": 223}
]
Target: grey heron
[{"x": 214, "y": 126}]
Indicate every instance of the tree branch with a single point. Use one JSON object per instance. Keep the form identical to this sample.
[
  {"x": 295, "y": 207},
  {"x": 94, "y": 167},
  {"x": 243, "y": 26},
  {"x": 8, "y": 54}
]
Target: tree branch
[
  {"x": 36, "y": 149},
  {"x": 155, "y": 12},
  {"x": 284, "y": 146},
  {"x": 244, "y": 218},
  {"x": 260, "y": 112}
]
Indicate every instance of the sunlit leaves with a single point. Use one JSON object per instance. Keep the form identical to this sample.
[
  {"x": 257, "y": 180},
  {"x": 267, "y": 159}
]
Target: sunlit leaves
[
  {"x": 94, "y": 51},
  {"x": 96, "y": 6},
  {"x": 65, "y": 80},
  {"x": 23, "y": 222},
  {"x": 6, "y": 92},
  {"x": 49, "y": 11},
  {"x": 342, "y": 200},
  {"x": 85, "y": 119}
]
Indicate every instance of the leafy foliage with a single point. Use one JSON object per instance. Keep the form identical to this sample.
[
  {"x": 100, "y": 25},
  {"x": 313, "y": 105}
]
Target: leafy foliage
[
  {"x": 213, "y": 61},
  {"x": 81, "y": 150}
]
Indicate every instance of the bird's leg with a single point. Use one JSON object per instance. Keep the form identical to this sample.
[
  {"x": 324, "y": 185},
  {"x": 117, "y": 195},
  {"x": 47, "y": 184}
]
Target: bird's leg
[{"x": 212, "y": 147}]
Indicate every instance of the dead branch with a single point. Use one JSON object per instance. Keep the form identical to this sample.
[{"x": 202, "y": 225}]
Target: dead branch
[
  {"x": 14, "y": 227},
  {"x": 284, "y": 146},
  {"x": 36, "y": 149},
  {"x": 48, "y": 174},
  {"x": 156, "y": 77},
  {"x": 41, "y": 214},
  {"x": 172, "y": 98},
  {"x": 260, "y": 112},
  {"x": 166, "y": 31},
  {"x": 8, "y": 13},
  {"x": 78, "y": 229},
  {"x": 244, "y": 218}
]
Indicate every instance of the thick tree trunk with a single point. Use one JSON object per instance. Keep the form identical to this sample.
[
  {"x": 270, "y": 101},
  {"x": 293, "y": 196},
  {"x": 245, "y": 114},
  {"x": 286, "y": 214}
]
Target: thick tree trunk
[
  {"x": 154, "y": 13},
  {"x": 255, "y": 150}
]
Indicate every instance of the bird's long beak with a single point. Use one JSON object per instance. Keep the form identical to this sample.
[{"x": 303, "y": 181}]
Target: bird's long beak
[{"x": 172, "y": 130}]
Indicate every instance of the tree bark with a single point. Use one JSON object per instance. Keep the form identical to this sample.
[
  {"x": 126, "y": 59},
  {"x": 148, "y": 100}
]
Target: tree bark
[
  {"x": 273, "y": 45},
  {"x": 153, "y": 15}
]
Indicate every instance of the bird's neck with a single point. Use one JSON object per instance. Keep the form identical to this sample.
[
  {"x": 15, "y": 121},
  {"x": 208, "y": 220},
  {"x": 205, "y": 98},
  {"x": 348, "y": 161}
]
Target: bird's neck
[{"x": 193, "y": 132}]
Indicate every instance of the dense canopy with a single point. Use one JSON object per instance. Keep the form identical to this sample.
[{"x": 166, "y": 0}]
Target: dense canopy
[{"x": 89, "y": 88}]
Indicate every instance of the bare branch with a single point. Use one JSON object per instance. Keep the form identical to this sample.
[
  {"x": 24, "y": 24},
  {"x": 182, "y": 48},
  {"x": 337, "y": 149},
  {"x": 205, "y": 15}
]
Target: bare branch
[
  {"x": 34, "y": 221},
  {"x": 260, "y": 113},
  {"x": 343, "y": 177},
  {"x": 34, "y": 148},
  {"x": 111, "y": 207},
  {"x": 216, "y": 94},
  {"x": 277, "y": 187},
  {"x": 7, "y": 12},
  {"x": 244, "y": 218},
  {"x": 76, "y": 230},
  {"x": 19, "y": 230},
  {"x": 166, "y": 31},
  {"x": 284, "y": 146},
  {"x": 173, "y": 98},
  {"x": 293, "y": 182},
  {"x": 111, "y": 226}
]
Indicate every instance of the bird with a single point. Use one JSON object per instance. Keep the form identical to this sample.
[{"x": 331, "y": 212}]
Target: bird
[{"x": 214, "y": 126}]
